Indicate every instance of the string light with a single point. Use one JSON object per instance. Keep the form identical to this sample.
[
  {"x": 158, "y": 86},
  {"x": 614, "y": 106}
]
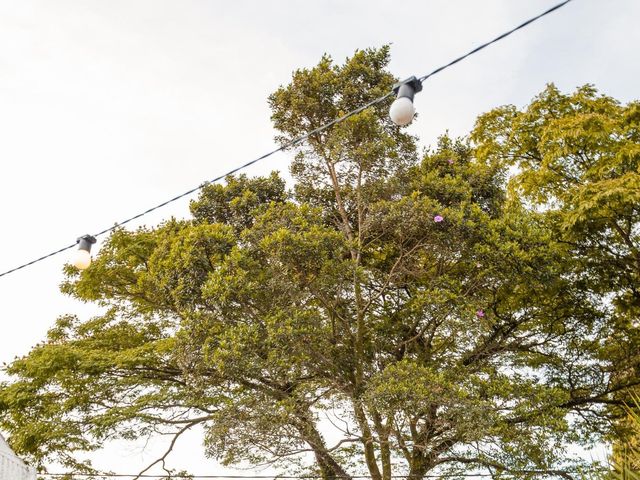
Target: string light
[
  {"x": 82, "y": 259},
  {"x": 401, "y": 113},
  {"x": 402, "y": 110}
]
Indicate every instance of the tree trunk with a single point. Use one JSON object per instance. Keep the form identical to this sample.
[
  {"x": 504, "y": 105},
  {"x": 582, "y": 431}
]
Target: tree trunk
[
  {"x": 331, "y": 470},
  {"x": 367, "y": 441}
]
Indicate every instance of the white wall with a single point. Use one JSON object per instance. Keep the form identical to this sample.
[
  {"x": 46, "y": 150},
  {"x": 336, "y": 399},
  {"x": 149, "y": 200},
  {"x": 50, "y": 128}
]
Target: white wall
[{"x": 11, "y": 467}]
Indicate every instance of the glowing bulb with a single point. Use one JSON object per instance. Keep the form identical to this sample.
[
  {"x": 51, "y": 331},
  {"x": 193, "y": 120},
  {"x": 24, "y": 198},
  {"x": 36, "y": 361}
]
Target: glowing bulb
[
  {"x": 82, "y": 259},
  {"x": 402, "y": 111}
]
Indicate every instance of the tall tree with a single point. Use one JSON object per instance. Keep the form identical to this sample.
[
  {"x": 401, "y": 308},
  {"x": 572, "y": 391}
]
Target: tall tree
[
  {"x": 391, "y": 315},
  {"x": 578, "y": 159}
]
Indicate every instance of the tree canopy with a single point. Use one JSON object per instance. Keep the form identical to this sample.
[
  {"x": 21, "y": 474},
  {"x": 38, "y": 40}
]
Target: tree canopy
[{"x": 472, "y": 307}]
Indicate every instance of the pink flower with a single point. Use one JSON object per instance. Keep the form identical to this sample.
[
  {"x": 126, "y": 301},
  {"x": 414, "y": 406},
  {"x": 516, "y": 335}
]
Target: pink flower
[
  {"x": 450, "y": 161},
  {"x": 480, "y": 313},
  {"x": 438, "y": 218}
]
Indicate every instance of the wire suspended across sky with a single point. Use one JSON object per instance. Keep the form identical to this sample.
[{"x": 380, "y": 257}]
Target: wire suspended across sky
[
  {"x": 513, "y": 476},
  {"x": 405, "y": 91}
]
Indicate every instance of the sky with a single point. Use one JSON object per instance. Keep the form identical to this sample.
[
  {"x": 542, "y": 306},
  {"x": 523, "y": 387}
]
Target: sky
[{"x": 110, "y": 107}]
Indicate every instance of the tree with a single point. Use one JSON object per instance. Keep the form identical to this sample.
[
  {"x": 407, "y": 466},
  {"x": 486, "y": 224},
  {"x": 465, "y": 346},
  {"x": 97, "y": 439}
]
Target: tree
[
  {"x": 625, "y": 458},
  {"x": 390, "y": 315},
  {"x": 578, "y": 158}
]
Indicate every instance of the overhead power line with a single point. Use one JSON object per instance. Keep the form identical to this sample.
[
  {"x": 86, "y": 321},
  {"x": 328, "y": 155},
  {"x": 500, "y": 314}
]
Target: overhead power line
[
  {"x": 514, "y": 475},
  {"x": 497, "y": 39},
  {"x": 295, "y": 141},
  {"x": 250, "y": 477}
]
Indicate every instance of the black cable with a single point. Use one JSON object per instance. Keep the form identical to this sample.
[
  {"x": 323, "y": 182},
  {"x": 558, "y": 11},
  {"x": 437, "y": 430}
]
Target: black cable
[
  {"x": 289, "y": 477},
  {"x": 296, "y": 140},
  {"x": 37, "y": 260},
  {"x": 497, "y": 39},
  {"x": 242, "y": 167},
  {"x": 254, "y": 477}
]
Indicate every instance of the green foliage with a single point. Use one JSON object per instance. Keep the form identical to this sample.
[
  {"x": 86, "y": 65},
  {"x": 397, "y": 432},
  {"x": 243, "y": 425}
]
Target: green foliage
[
  {"x": 625, "y": 461},
  {"x": 480, "y": 341},
  {"x": 578, "y": 158}
]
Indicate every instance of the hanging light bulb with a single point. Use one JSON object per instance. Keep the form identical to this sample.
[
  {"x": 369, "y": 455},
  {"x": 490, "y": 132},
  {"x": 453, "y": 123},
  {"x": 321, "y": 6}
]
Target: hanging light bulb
[
  {"x": 82, "y": 258},
  {"x": 402, "y": 109}
]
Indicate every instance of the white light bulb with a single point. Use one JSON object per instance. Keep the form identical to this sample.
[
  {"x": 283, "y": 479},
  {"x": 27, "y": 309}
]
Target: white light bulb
[
  {"x": 402, "y": 111},
  {"x": 82, "y": 259}
]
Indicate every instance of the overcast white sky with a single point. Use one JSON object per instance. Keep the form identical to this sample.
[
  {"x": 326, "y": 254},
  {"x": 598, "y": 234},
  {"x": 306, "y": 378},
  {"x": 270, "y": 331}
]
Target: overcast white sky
[{"x": 110, "y": 107}]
